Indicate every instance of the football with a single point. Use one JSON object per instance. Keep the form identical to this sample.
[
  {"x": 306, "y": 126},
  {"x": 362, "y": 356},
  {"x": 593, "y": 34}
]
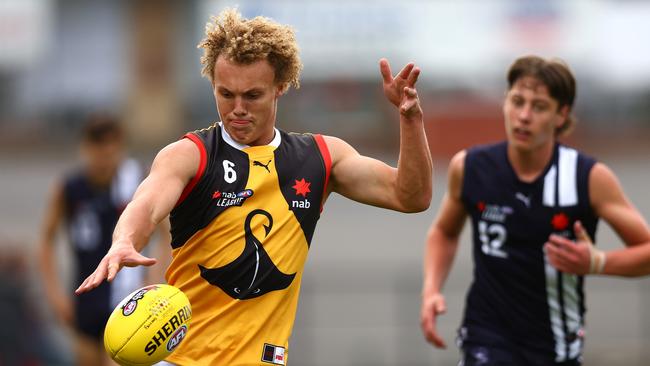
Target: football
[{"x": 147, "y": 325}]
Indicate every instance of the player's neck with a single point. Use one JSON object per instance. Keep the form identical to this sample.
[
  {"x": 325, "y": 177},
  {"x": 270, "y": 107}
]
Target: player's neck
[
  {"x": 529, "y": 164},
  {"x": 100, "y": 179}
]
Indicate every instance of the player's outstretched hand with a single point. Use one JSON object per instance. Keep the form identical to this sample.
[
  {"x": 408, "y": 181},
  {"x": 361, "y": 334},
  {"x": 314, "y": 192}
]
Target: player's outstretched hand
[
  {"x": 569, "y": 256},
  {"x": 118, "y": 256},
  {"x": 432, "y": 306},
  {"x": 400, "y": 90}
]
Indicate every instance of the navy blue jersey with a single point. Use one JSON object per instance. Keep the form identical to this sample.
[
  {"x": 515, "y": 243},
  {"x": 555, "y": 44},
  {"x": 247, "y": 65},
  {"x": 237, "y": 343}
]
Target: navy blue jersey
[
  {"x": 91, "y": 213},
  {"x": 515, "y": 292}
]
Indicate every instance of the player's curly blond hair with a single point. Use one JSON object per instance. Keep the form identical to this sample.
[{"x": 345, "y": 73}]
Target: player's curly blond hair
[{"x": 249, "y": 40}]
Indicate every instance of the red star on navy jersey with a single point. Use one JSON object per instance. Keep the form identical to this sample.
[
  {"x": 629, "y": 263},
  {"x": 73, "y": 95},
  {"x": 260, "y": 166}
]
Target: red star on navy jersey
[
  {"x": 560, "y": 221},
  {"x": 302, "y": 187}
]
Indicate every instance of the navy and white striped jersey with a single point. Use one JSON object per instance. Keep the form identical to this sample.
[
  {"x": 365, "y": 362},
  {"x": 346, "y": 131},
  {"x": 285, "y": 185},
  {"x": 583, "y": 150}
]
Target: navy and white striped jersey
[{"x": 515, "y": 292}]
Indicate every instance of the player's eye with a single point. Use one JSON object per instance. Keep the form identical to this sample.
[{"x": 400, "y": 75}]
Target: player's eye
[
  {"x": 516, "y": 101},
  {"x": 540, "y": 107}
]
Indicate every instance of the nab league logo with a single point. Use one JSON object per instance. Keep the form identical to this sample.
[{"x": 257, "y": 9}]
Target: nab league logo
[
  {"x": 494, "y": 213},
  {"x": 227, "y": 199},
  {"x": 302, "y": 188}
]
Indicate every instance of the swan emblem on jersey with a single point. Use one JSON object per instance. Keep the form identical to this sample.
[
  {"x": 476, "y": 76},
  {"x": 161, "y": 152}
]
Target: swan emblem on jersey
[{"x": 253, "y": 273}]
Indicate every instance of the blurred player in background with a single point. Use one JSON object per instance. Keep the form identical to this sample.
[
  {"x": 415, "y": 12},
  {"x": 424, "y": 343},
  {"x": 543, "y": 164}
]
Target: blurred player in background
[
  {"x": 520, "y": 310},
  {"x": 89, "y": 201},
  {"x": 245, "y": 197}
]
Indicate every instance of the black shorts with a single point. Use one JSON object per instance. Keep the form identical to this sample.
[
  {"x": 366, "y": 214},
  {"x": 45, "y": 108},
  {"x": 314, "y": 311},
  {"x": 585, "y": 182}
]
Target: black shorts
[
  {"x": 92, "y": 310},
  {"x": 480, "y": 355},
  {"x": 92, "y": 324},
  {"x": 498, "y": 351}
]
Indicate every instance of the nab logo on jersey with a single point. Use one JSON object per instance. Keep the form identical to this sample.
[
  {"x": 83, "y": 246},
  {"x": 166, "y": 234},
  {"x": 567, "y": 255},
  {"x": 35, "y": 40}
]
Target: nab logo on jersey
[{"x": 302, "y": 188}]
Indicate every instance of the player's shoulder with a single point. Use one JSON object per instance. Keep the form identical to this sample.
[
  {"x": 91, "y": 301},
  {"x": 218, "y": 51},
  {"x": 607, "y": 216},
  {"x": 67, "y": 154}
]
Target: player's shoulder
[
  {"x": 72, "y": 179},
  {"x": 602, "y": 175},
  {"x": 580, "y": 154},
  {"x": 338, "y": 149},
  {"x": 182, "y": 147},
  {"x": 211, "y": 129},
  {"x": 457, "y": 162},
  {"x": 299, "y": 138},
  {"x": 486, "y": 156},
  {"x": 488, "y": 150},
  {"x": 182, "y": 157}
]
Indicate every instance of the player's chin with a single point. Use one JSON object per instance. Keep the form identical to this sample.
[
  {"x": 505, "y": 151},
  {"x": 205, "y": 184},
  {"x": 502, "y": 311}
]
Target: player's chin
[
  {"x": 521, "y": 145},
  {"x": 241, "y": 134}
]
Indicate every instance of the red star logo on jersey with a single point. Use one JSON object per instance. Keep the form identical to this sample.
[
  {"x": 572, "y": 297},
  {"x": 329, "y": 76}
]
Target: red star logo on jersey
[
  {"x": 216, "y": 194},
  {"x": 560, "y": 221},
  {"x": 302, "y": 187},
  {"x": 480, "y": 206}
]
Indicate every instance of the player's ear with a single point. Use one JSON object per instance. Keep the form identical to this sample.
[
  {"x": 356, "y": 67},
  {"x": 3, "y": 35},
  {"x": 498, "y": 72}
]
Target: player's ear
[
  {"x": 280, "y": 89},
  {"x": 564, "y": 113}
]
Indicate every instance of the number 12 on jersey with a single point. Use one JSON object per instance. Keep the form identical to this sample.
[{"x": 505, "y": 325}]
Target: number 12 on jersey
[{"x": 492, "y": 237}]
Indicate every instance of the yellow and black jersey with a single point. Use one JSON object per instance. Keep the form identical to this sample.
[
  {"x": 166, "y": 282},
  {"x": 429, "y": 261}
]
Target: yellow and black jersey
[{"x": 240, "y": 235}]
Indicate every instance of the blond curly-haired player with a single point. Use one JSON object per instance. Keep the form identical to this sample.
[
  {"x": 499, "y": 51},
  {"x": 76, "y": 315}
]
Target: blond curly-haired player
[{"x": 244, "y": 196}]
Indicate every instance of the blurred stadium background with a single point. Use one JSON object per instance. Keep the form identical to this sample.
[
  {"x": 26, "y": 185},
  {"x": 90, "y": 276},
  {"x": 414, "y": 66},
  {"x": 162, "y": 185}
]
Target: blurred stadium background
[{"x": 60, "y": 60}]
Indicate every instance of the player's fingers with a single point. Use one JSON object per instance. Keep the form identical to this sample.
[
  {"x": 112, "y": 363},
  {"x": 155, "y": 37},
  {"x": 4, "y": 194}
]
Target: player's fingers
[
  {"x": 410, "y": 92},
  {"x": 98, "y": 276},
  {"x": 84, "y": 284},
  {"x": 111, "y": 270},
  {"x": 406, "y": 70},
  {"x": 436, "y": 339},
  {"x": 406, "y": 106},
  {"x": 140, "y": 260},
  {"x": 559, "y": 258},
  {"x": 428, "y": 328},
  {"x": 441, "y": 307},
  {"x": 560, "y": 242},
  {"x": 568, "y": 254},
  {"x": 581, "y": 233},
  {"x": 553, "y": 253},
  {"x": 550, "y": 249},
  {"x": 413, "y": 77},
  {"x": 384, "y": 68},
  {"x": 411, "y": 102}
]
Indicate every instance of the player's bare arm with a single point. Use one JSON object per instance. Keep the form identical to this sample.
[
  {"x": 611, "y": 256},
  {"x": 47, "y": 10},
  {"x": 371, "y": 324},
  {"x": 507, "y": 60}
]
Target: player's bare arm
[
  {"x": 440, "y": 250},
  {"x": 610, "y": 203},
  {"x": 172, "y": 169},
  {"x": 406, "y": 188},
  {"x": 54, "y": 213},
  {"x": 162, "y": 252}
]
